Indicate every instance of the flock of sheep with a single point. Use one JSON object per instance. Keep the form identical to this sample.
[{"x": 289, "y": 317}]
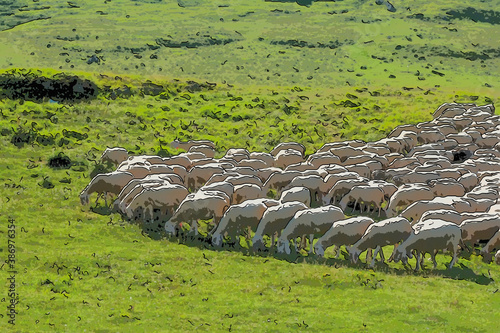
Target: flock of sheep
[{"x": 434, "y": 185}]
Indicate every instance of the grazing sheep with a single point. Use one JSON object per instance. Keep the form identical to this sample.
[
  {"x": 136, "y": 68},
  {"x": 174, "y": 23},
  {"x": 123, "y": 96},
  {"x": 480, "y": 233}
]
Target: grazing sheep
[
  {"x": 265, "y": 157},
  {"x": 429, "y": 236},
  {"x": 319, "y": 159},
  {"x": 278, "y": 180},
  {"x": 345, "y": 232},
  {"x": 314, "y": 183},
  {"x": 125, "y": 197},
  {"x": 238, "y": 179},
  {"x": 176, "y": 144},
  {"x": 273, "y": 221},
  {"x": 246, "y": 192},
  {"x": 287, "y": 157},
  {"x": 106, "y": 183},
  {"x": 239, "y": 217},
  {"x": 253, "y": 163},
  {"x": 297, "y": 193},
  {"x": 312, "y": 221},
  {"x": 446, "y": 186},
  {"x": 343, "y": 153},
  {"x": 202, "y": 205},
  {"x": 223, "y": 186},
  {"x": 199, "y": 174},
  {"x": 206, "y": 150},
  {"x": 469, "y": 181},
  {"x": 364, "y": 194},
  {"x": 479, "y": 229},
  {"x": 406, "y": 195},
  {"x": 378, "y": 234},
  {"x": 415, "y": 211},
  {"x": 114, "y": 155},
  {"x": 492, "y": 245},
  {"x": 341, "y": 188},
  {"x": 450, "y": 215},
  {"x": 166, "y": 198},
  {"x": 288, "y": 145}
]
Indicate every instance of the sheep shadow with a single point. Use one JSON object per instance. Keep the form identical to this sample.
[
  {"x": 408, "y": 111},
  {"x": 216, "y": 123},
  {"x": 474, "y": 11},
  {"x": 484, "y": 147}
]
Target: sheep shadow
[{"x": 203, "y": 242}]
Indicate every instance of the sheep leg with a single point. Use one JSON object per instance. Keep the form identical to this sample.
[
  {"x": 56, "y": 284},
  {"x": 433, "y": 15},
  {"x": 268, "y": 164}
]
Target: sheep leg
[
  {"x": 381, "y": 253},
  {"x": 273, "y": 239},
  {"x": 106, "y": 199},
  {"x": 391, "y": 258},
  {"x": 295, "y": 243},
  {"x": 335, "y": 247},
  {"x": 354, "y": 207},
  {"x": 433, "y": 257},
  {"x": 369, "y": 254},
  {"x": 453, "y": 260},
  {"x": 311, "y": 238},
  {"x": 417, "y": 257}
]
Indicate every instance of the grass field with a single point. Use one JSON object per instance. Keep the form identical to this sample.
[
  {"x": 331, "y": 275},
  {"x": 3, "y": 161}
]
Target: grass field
[{"x": 243, "y": 74}]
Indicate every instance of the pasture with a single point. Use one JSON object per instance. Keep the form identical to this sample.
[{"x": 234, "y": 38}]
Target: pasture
[{"x": 241, "y": 73}]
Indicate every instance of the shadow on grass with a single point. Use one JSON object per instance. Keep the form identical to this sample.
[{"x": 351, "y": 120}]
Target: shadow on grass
[{"x": 202, "y": 242}]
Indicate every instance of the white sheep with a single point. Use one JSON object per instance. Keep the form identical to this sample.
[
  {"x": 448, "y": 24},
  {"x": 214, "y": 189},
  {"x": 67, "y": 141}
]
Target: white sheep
[
  {"x": 298, "y": 193},
  {"x": 166, "y": 198},
  {"x": 176, "y": 144},
  {"x": 478, "y": 229},
  {"x": 341, "y": 188},
  {"x": 345, "y": 232},
  {"x": 273, "y": 221},
  {"x": 288, "y": 145},
  {"x": 312, "y": 222},
  {"x": 364, "y": 194},
  {"x": 202, "y": 205},
  {"x": 114, "y": 155},
  {"x": 106, "y": 183},
  {"x": 239, "y": 218},
  {"x": 199, "y": 174},
  {"x": 493, "y": 244},
  {"x": 429, "y": 236},
  {"x": 406, "y": 195},
  {"x": 223, "y": 186},
  {"x": 246, "y": 192},
  {"x": 378, "y": 234},
  {"x": 287, "y": 157}
]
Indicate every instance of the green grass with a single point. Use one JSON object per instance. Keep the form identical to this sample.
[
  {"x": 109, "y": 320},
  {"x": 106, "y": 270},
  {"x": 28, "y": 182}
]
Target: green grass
[{"x": 81, "y": 270}]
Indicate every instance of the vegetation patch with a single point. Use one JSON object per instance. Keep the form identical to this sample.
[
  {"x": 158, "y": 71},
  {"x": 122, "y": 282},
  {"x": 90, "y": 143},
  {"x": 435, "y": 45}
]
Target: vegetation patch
[{"x": 26, "y": 85}]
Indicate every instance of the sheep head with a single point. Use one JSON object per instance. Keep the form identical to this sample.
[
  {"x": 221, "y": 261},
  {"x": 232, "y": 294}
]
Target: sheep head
[
  {"x": 353, "y": 254},
  {"x": 84, "y": 198},
  {"x": 258, "y": 244}
]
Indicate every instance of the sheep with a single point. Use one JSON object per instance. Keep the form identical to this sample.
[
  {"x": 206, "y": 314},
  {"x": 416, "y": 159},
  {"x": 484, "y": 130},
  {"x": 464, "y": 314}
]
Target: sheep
[
  {"x": 497, "y": 257},
  {"x": 469, "y": 181},
  {"x": 415, "y": 211},
  {"x": 150, "y": 179},
  {"x": 206, "y": 150},
  {"x": 415, "y": 177},
  {"x": 237, "y": 154},
  {"x": 278, "y": 180},
  {"x": 223, "y": 186},
  {"x": 302, "y": 166},
  {"x": 253, "y": 163},
  {"x": 343, "y": 153},
  {"x": 114, "y": 155},
  {"x": 199, "y": 174},
  {"x": 314, "y": 183},
  {"x": 287, "y": 157},
  {"x": 180, "y": 159},
  {"x": 246, "y": 192},
  {"x": 112, "y": 182},
  {"x": 200, "y": 205},
  {"x": 240, "y": 216},
  {"x": 166, "y": 198},
  {"x": 341, "y": 188},
  {"x": 429, "y": 236},
  {"x": 151, "y": 159},
  {"x": 479, "y": 229},
  {"x": 406, "y": 195},
  {"x": 125, "y": 197},
  {"x": 288, "y": 145},
  {"x": 176, "y": 144},
  {"x": 445, "y": 106},
  {"x": 238, "y": 179},
  {"x": 265, "y": 157},
  {"x": 378, "y": 234},
  {"x": 492, "y": 245},
  {"x": 450, "y": 215},
  {"x": 345, "y": 232},
  {"x": 297, "y": 193},
  {"x": 312, "y": 221},
  {"x": 446, "y": 186},
  {"x": 319, "y": 159},
  {"x": 366, "y": 194},
  {"x": 273, "y": 221}
]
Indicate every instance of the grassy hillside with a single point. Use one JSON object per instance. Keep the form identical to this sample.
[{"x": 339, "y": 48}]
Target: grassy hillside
[{"x": 243, "y": 74}]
